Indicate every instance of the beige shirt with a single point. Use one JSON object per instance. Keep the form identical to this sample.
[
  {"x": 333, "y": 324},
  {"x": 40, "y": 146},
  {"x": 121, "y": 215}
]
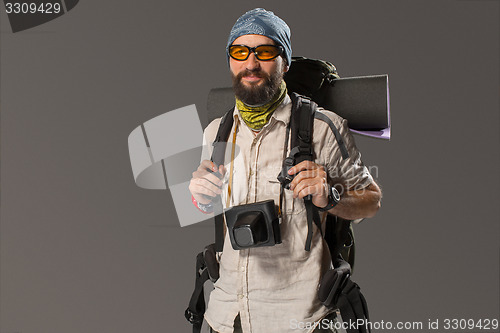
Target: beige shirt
[{"x": 275, "y": 288}]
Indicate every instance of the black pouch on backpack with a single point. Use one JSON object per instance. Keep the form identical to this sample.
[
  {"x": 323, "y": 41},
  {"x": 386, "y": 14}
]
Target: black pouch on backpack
[
  {"x": 337, "y": 290},
  {"x": 333, "y": 283},
  {"x": 309, "y": 77}
]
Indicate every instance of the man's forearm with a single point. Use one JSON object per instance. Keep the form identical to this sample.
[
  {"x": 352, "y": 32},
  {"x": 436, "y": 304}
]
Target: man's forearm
[{"x": 357, "y": 204}]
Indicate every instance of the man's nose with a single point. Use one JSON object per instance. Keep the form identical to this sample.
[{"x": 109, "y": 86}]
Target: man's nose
[{"x": 252, "y": 62}]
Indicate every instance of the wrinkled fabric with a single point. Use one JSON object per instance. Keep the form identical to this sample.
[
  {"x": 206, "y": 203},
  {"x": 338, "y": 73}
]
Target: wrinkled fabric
[{"x": 273, "y": 287}]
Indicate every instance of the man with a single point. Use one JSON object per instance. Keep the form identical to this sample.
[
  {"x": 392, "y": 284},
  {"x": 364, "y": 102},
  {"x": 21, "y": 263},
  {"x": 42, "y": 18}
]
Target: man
[{"x": 274, "y": 289}]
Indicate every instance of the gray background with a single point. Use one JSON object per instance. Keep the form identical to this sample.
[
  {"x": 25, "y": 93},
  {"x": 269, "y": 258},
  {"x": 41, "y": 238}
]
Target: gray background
[{"x": 85, "y": 250}]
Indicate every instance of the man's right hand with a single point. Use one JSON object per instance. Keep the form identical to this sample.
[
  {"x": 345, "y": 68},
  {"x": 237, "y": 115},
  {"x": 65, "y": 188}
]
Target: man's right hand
[{"x": 206, "y": 183}]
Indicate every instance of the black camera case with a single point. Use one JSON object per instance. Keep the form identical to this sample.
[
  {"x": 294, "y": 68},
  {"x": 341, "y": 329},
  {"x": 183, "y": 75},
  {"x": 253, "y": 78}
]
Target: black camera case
[{"x": 253, "y": 225}]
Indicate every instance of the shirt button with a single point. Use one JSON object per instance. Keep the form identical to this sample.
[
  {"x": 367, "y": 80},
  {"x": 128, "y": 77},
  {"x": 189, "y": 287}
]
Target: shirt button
[{"x": 240, "y": 296}]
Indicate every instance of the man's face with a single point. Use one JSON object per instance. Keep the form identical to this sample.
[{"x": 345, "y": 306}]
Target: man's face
[{"x": 255, "y": 82}]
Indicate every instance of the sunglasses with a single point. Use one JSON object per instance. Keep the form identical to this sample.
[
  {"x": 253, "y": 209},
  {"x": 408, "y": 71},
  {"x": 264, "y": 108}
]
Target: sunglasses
[{"x": 262, "y": 52}]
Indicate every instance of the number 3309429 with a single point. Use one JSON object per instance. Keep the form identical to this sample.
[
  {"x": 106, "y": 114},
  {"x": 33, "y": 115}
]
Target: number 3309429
[{"x": 32, "y": 8}]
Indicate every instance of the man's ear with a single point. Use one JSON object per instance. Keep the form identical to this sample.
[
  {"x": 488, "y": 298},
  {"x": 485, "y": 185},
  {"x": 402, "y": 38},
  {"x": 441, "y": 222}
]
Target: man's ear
[{"x": 285, "y": 65}]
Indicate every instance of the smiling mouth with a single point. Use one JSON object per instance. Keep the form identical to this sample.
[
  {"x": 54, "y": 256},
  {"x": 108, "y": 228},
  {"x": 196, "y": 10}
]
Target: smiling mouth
[{"x": 252, "y": 78}]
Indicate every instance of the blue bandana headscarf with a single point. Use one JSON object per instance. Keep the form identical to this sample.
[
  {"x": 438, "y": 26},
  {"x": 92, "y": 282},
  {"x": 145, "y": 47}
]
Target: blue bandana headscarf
[{"x": 259, "y": 21}]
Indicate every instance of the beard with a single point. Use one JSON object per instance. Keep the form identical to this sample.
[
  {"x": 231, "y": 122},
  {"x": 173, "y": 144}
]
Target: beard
[{"x": 256, "y": 95}]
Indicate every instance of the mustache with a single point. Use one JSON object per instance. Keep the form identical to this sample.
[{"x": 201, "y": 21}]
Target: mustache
[{"x": 254, "y": 72}]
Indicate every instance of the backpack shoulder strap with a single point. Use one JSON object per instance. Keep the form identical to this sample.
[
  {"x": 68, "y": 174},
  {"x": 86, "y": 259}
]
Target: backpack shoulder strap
[
  {"x": 340, "y": 238},
  {"x": 219, "y": 144},
  {"x": 196, "y": 309},
  {"x": 304, "y": 111},
  {"x": 301, "y": 128},
  {"x": 218, "y": 152},
  {"x": 336, "y": 133}
]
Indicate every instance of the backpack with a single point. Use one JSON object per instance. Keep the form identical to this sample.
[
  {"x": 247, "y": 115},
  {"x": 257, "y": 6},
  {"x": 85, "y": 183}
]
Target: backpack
[
  {"x": 310, "y": 77},
  {"x": 336, "y": 288}
]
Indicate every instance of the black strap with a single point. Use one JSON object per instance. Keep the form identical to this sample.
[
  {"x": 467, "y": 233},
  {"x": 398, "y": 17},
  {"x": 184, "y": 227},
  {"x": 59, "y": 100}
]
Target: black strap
[
  {"x": 351, "y": 302},
  {"x": 218, "y": 153},
  {"x": 219, "y": 226},
  {"x": 302, "y": 126},
  {"x": 304, "y": 111},
  {"x": 336, "y": 133},
  {"x": 310, "y": 219},
  {"x": 330, "y": 234},
  {"x": 340, "y": 239},
  {"x": 220, "y": 142},
  {"x": 285, "y": 150},
  {"x": 302, "y": 120},
  {"x": 353, "y": 307},
  {"x": 196, "y": 309},
  {"x": 312, "y": 216}
]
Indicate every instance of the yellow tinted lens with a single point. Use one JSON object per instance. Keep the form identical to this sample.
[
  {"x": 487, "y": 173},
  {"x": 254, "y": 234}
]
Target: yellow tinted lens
[
  {"x": 238, "y": 52},
  {"x": 267, "y": 52}
]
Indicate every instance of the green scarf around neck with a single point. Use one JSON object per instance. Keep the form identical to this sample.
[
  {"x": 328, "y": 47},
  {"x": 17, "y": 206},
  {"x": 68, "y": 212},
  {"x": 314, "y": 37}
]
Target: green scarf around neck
[{"x": 257, "y": 116}]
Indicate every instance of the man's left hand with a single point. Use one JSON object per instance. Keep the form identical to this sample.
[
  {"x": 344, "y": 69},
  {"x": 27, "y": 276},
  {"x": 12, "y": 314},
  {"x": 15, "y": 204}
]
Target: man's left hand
[{"x": 310, "y": 178}]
